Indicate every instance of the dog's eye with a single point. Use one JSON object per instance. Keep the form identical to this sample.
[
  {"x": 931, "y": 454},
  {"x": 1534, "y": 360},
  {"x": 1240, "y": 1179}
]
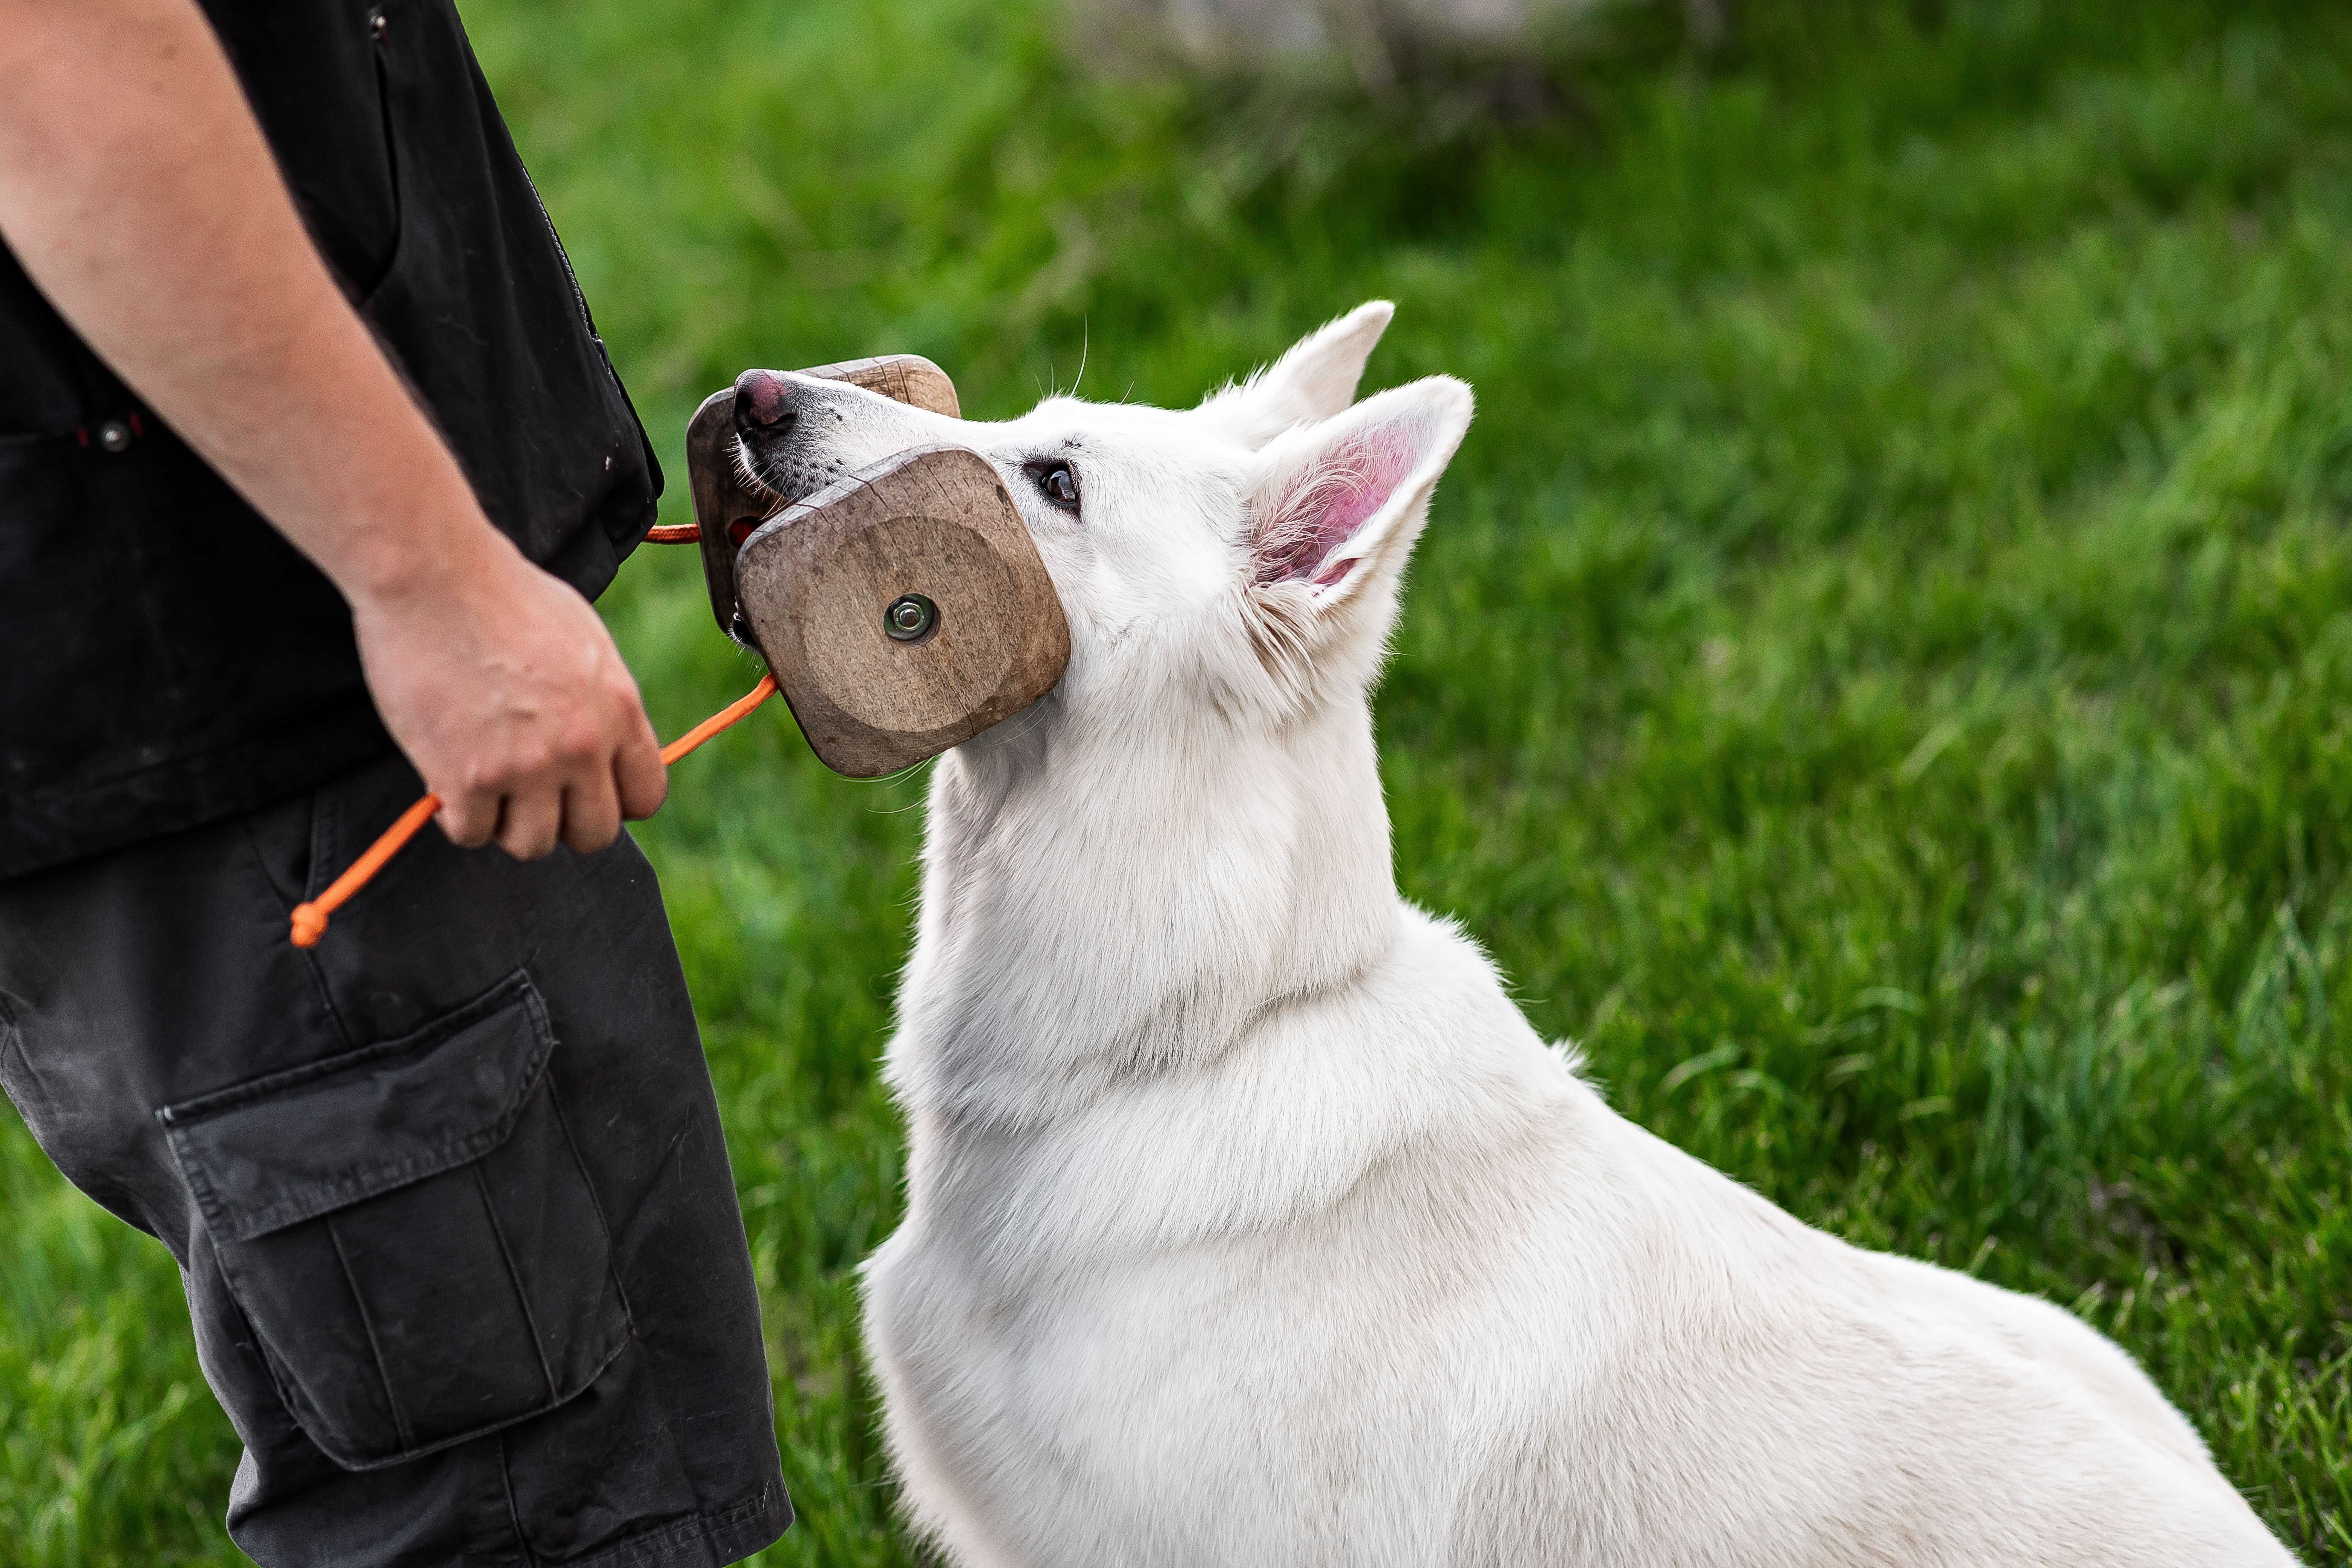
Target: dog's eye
[{"x": 1058, "y": 483}]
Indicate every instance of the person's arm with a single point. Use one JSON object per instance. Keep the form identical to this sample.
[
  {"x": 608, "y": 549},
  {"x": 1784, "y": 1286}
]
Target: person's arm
[{"x": 137, "y": 191}]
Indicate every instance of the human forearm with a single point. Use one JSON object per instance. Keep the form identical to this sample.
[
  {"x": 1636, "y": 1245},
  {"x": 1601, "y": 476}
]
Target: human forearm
[{"x": 162, "y": 229}]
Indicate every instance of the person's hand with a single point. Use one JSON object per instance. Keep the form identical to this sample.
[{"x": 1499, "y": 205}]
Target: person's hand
[{"x": 505, "y": 691}]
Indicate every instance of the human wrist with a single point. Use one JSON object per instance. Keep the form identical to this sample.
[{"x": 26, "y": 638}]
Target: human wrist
[{"x": 438, "y": 548}]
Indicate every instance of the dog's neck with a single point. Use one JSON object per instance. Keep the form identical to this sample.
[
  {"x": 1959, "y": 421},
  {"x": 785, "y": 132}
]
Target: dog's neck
[{"x": 1102, "y": 905}]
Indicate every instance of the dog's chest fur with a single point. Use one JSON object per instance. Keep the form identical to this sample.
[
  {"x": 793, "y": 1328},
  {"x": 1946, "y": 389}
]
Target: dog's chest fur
[{"x": 1134, "y": 1329}]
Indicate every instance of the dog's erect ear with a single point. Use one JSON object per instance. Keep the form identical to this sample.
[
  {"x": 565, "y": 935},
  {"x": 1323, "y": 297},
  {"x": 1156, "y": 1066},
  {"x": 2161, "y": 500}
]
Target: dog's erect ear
[
  {"x": 1316, "y": 380},
  {"x": 1338, "y": 506}
]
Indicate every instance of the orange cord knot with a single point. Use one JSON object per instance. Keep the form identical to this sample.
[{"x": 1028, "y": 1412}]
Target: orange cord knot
[{"x": 310, "y": 924}]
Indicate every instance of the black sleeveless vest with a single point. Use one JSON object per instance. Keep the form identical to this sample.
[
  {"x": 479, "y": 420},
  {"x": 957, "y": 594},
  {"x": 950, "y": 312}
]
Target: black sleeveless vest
[{"x": 166, "y": 658}]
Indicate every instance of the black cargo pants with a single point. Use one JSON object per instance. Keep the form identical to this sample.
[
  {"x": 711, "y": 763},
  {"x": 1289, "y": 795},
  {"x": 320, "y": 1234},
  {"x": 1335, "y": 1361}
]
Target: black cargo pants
[{"x": 448, "y": 1192}]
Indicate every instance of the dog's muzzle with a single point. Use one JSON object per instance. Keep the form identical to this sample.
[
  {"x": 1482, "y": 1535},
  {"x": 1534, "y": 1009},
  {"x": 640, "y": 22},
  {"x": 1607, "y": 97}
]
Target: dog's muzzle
[{"x": 903, "y": 607}]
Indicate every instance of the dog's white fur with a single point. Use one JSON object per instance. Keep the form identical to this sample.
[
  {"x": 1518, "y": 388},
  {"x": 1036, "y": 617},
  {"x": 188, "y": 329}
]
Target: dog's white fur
[{"x": 1248, "y": 1222}]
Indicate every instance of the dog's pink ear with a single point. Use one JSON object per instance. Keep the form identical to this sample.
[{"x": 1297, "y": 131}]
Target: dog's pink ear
[
  {"x": 1340, "y": 503},
  {"x": 1316, "y": 380}
]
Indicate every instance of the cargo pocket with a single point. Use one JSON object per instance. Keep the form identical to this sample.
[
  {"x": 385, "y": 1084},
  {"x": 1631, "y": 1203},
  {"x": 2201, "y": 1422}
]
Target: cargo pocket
[{"x": 409, "y": 1229}]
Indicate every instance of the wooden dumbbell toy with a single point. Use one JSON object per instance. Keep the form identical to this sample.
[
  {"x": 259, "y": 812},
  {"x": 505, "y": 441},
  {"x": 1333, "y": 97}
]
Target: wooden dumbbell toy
[{"x": 903, "y": 608}]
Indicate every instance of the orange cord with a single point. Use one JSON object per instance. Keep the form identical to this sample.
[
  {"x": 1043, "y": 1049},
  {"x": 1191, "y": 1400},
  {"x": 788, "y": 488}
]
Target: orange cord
[
  {"x": 719, "y": 720},
  {"x": 310, "y": 920}
]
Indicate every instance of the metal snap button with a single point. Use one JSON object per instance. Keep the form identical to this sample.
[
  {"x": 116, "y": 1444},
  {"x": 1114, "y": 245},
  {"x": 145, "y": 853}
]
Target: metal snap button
[
  {"x": 114, "y": 436},
  {"x": 377, "y": 25}
]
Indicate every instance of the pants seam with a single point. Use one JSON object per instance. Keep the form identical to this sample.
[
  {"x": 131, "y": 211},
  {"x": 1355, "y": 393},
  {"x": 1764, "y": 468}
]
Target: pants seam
[
  {"x": 375, "y": 1349},
  {"x": 514, "y": 1510},
  {"x": 595, "y": 1201},
  {"x": 514, "y": 1279}
]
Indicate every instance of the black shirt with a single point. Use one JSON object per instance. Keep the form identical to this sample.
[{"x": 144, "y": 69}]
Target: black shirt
[{"x": 166, "y": 658}]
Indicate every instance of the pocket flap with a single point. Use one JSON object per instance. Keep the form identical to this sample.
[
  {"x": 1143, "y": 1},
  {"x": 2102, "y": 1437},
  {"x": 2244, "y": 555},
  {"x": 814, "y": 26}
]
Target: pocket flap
[{"x": 273, "y": 1150}]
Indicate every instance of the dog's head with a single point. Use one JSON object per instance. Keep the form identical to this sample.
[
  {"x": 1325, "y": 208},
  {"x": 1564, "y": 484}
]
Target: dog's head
[{"x": 1242, "y": 555}]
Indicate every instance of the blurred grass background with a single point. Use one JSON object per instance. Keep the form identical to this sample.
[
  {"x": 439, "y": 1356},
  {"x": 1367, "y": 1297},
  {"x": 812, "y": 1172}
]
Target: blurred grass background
[{"x": 1880, "y": 672}]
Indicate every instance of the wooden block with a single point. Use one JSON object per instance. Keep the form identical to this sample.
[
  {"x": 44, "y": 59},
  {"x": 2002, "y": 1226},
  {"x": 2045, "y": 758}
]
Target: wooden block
[
  {"x": 906, "y": 378},
  {"x": 932, "y": 532},
  {"x": 720, "y": 500}
]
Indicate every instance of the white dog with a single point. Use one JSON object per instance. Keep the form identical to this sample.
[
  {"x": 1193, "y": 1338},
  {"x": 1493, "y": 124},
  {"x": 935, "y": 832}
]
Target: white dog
[{"x": 1248, "y": 1222}]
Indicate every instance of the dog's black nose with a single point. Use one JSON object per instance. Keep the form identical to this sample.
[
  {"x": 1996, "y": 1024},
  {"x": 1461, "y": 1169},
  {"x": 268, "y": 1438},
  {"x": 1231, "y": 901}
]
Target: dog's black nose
[{"x": 763, "y": 400}]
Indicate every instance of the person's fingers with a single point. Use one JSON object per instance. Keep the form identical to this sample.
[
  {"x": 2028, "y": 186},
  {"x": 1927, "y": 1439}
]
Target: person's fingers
[
  {"x": 592, "y": 812},
  {"x": 638, "y": 772},
  {"x": 533, "y": 818},
  {"x": 470, "y": 817}
]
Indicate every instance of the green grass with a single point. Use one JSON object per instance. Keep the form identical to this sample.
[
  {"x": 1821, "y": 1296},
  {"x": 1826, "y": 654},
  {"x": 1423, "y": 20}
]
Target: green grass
[{"x": 1880, "y": 673}]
